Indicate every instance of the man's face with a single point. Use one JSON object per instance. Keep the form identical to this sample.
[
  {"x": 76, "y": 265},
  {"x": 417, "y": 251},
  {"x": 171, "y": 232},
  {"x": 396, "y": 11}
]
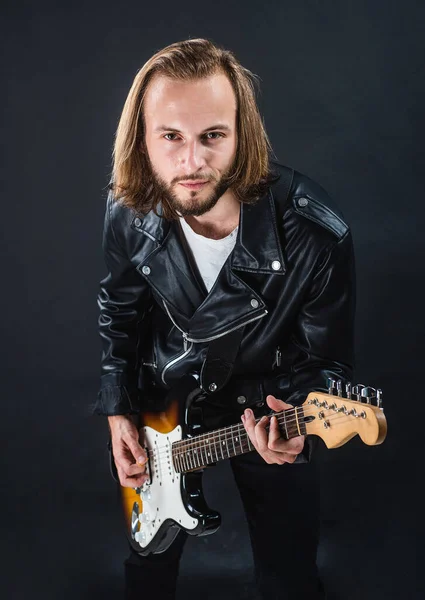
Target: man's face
[{"x": 191, "y": 139}]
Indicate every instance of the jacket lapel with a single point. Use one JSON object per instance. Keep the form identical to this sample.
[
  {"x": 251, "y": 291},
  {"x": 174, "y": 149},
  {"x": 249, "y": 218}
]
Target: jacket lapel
[
  {"x": 168, "y": 270},
  {"x": 232, "y": 301}
]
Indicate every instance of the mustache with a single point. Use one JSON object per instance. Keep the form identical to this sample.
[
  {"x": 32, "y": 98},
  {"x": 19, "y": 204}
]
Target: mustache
[{"x": 194, "y": 178}]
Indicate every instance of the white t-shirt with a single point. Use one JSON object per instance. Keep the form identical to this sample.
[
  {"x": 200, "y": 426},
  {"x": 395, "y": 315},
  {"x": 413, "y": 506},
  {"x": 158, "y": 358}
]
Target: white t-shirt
[{"x": 210, "y": 255}]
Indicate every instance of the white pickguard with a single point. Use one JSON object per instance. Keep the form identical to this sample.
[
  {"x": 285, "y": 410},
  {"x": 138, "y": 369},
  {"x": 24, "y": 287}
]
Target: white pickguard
[{"x": 161, "y": 497}]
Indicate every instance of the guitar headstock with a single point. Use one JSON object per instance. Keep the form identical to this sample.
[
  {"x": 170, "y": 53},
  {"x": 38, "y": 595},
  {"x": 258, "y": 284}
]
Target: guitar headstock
[{"x": 345, "y": 411}]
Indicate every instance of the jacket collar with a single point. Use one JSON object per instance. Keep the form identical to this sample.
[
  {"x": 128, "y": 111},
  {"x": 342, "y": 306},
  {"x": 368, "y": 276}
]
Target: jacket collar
[{"x": 257, "y": 248}]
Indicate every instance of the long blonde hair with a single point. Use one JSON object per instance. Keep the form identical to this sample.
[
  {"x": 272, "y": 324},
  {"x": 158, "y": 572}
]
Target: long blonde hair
[{"x": 191, "y": 59}]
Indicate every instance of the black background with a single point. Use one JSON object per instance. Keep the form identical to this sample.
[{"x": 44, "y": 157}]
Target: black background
[{"x": 342, "y": 94}]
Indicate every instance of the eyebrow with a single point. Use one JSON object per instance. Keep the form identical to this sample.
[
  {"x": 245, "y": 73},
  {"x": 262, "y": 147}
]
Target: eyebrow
[{"x": 173, "y": 130}]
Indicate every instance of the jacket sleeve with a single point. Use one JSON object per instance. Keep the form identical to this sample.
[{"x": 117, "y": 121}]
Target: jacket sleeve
[
  {"x": 323, "y": 338},
  {"x": 123, "y": 300},
  {"x": 324, "y": 333}
]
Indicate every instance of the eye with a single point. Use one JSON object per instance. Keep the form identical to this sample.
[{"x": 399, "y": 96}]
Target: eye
[
  {"x": 213, "y": 133},
  {"x": 172, "y": 134}
]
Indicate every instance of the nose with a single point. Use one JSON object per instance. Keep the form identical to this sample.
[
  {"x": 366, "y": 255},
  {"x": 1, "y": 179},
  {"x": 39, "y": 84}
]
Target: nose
[{"x": 192, "y": 156}]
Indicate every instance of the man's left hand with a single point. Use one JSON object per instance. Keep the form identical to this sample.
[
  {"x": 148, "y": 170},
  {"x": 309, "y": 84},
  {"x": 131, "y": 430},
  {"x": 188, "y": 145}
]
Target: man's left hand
[{"x": 273, "y": 448}]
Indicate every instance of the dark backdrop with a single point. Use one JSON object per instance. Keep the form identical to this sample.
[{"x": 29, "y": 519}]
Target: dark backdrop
[{"x": 343, "y": 98}]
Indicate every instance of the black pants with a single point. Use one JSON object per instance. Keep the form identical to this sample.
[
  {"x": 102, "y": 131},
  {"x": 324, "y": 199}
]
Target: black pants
[{"x": 281, "y": 504}]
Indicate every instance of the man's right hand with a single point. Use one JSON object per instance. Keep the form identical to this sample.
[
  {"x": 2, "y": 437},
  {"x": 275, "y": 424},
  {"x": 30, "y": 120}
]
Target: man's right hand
[{"x": 129, "y": 456}]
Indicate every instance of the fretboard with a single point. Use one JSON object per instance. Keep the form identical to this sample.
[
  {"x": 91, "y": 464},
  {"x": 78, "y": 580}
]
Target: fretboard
[{"x": 208, "y": 448}]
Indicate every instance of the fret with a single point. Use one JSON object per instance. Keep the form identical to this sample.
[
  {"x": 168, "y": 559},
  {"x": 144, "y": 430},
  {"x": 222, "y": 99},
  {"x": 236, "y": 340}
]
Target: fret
[
  {"x": 233, "y": 442},
  {"x": 200, "y": 456},
  {"x": 246, "y": 447},
  {"x": 199, "y": 453},
  {"x": 242, "y": 433},
  {"x": 294, "y": 430},
  {"x": 184, "y": 460},
  {"x": 179, "y": 459},
  {"x": 224, "y": 445},
  {"x": 196, "y": 455},
  {"x": 204, "y": 451},
  {"x": 227, "y": 445},
  {"x": 296, "y": 417},
  {"x": 178, "y": 463},
  {"x": 285, "y": 425},
  {"x": 174, "y": 458},
  {"x": 190, "y": 459},
  {"x": 242, "y": 438},
  {"x": 238, "y": 440},
  {"x": 250, "y": 446},
  {"x": 215, "y": 448},
  {"x": 302, "y": 423},
  {"x": 187, "y": 454},
  {"x": 209, "y": 455},
  {"x": 220, "y": 443}
]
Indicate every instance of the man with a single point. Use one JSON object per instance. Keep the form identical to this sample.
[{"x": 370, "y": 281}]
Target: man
[{"x": 202, "y": 240}]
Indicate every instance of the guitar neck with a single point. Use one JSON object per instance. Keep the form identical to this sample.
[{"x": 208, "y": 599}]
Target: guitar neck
[{"x": 208, "y": 448}]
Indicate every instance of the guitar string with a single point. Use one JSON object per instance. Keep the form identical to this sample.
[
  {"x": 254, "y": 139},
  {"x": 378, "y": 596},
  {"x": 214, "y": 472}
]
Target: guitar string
[
  {"x": 217, "y": 435},
  {"x": 280, "y": 415},
  {"x": 291, "y": 417},
  {"x": 238, "y": 426},
  {"x": 208, "y": 440},
  {"x": 202, "y": 444}
]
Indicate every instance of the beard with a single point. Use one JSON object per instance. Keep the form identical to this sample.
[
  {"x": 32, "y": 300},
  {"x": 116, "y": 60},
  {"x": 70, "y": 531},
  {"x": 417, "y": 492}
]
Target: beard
[{"x": 193, "y": 205}]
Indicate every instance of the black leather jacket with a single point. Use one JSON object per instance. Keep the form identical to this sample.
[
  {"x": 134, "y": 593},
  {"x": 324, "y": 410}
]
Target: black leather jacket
[{"x": 289, "y": 280}]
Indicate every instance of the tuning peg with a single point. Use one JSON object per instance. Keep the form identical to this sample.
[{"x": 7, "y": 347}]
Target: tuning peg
[
  {"x": 379, "y": 398},
  {"x": 331, "y": 386},
  {"x": 339, "y": 387},
  {"x": 368, "y": 393},
  {"x": 348, "y": 390},
  {"x": 357, "y": 390}
]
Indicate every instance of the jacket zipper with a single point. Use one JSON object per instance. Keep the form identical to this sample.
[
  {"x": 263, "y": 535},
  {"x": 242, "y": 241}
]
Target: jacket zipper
[
  {"x": 187, "y": 349},
  {"x": 188, "y": 342}
]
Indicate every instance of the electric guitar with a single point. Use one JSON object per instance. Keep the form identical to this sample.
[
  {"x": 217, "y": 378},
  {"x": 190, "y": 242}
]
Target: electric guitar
[{"x": 172, "y": 498}]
